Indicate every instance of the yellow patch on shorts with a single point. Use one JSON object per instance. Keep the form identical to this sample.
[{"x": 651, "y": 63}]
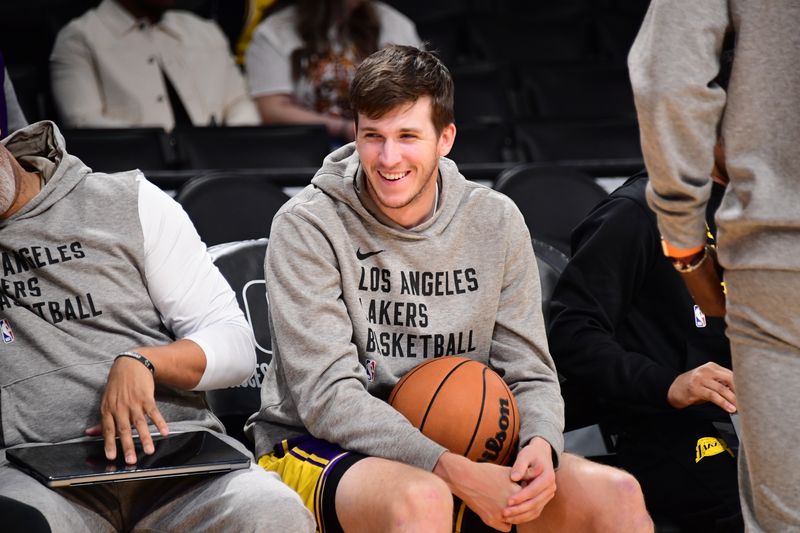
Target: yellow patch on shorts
[{"x": 708, "y": 446}]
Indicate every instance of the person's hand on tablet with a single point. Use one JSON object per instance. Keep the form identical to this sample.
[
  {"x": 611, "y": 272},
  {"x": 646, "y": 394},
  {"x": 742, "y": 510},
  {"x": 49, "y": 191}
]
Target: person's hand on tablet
[{"x": 129, "y": 402}]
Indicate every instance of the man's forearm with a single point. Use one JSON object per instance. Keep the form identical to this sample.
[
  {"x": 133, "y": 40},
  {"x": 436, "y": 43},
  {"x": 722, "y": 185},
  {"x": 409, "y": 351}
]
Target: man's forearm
[{"x": 180, "y": 364}]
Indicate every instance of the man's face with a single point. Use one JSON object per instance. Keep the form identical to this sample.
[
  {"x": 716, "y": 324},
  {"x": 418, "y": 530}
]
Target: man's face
[
  {"x": 8, "y": 180},
  {"x": 400, "y": 155}
]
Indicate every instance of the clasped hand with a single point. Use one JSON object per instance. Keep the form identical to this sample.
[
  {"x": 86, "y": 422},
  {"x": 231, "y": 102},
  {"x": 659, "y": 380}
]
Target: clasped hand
[
  {"x": 533, "y": 470},
  {"x": 128, "y": 402},
  {"x": 503, "y": 496}
]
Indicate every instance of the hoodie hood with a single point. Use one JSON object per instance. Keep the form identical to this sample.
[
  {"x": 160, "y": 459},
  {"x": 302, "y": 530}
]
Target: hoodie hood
[
  {"x": 342, "y": 177},
  {"x": 41, "y": 147}
]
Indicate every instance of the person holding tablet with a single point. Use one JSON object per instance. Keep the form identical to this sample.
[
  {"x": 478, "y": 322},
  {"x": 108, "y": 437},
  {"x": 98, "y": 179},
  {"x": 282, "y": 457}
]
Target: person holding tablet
[{"x": 113, "y": 320}]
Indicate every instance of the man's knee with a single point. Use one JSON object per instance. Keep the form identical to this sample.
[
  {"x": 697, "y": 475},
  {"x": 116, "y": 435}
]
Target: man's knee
[
  {"x": 261, "y": 502},
  {"x": 425, "y": 499},
  {"x": 627, "y": 507},
  {"x": 609, "y": 499},
  {"x": 284, "y": 512},
  {"x": 625, "y": 487}
]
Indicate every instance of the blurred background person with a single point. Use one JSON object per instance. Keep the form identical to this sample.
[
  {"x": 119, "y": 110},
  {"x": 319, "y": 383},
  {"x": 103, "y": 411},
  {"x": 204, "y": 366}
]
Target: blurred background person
[
  {"x": 141, "y": 63},
  {"x": 302, "y": 58},
  {"x": 624, "y": 329}
]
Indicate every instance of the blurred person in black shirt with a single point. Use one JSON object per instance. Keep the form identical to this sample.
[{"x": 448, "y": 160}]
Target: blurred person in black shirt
[{"x": 625, "y": 330}]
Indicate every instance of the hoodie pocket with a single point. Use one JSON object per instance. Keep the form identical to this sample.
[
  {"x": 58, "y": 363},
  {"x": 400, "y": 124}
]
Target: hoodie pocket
[{"x": 53, "y": 406}]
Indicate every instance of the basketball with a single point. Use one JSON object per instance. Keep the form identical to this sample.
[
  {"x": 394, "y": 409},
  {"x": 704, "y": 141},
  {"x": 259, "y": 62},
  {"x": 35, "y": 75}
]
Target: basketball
[{"x": 463, "y": 405}]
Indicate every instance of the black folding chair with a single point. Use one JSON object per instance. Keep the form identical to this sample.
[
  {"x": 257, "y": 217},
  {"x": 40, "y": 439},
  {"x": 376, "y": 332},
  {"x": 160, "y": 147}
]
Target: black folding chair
[
  {"x": 228, "y": 207},
  {"x": 242, "y": 265},
  {"x": 118, "y": 149},
  {"x": 482, "y": 143},
  {"x": 577, "y": 92},
  {"x": 553, "y": 200},
  {"x": 252, "y": 146},
  {"x": 551, "y": 263},
  {"x": 601, "y": 147}
]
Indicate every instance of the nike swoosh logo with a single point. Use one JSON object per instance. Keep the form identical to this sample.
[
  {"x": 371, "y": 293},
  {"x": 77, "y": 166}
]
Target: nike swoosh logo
[{"x": 362, "y": 256}]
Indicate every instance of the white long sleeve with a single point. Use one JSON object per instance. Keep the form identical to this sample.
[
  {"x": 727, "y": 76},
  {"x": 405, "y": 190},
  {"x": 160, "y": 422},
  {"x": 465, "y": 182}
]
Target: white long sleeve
[{"x": 194, "y": 299}]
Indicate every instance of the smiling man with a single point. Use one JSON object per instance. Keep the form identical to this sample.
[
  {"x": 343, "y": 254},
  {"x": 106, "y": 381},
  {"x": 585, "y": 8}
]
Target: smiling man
[{"x": 371, "y": 270}]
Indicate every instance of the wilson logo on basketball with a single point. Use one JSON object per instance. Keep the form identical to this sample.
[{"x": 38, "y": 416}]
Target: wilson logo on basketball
[
  {"x": 463, "y": 405},
  {"x": 494, "y": 445}
]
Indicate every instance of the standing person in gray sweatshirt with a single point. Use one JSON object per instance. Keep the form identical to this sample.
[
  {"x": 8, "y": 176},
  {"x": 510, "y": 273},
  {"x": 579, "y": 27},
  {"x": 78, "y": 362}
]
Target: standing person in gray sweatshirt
[
  {"x": 683, "y": 113},
  {"x": 388, "y": 259},
  {"x": 114, "y": 318}
]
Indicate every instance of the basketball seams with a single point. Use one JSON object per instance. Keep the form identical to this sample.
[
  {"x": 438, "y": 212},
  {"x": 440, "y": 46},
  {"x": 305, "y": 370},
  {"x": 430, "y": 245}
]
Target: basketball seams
[
  {"x": 450, "y": 396},
  {"x": 480, "y": 413},
  {"x": 513, "y": 426},
  {"x": 438, "y": 389}
]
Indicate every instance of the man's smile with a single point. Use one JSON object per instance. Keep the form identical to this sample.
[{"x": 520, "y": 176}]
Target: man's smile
[{"x": 392, "y": 176}]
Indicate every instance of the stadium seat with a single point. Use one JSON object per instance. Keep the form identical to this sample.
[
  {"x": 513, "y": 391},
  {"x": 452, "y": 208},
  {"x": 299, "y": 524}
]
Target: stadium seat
[
  {"x": 242, "y": 265},
  {"x": 551, "y": 262},
  {"x": 445, "y": 38},
  {"x": 615, "y": 33},
  {"x": 421, "y": 11},
  {"x": 252, "y": 146},
  {"x": 226, "y": 206},
  {"x": 30, "y": 83},
  {"x": 583, "y": 434},
  {"x": 600, "y": 147},
  {"x": 483, "y": 93},
  {"x": 577, "y": 92},
  {"x": 481, "y": 143},
  {"x": 544, "y": 10},
  {"x": 517, "y": 39},
  {"x": 115, "y": 150},
  {"x": 27, "y": 29},
  {"x": 553, "y": 200}
]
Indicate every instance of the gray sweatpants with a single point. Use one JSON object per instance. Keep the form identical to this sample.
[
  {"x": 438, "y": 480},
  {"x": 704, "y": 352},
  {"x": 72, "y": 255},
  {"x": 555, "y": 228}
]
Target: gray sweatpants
[
  {"x": 243, "y": 501},
  {"x": 763, "y": 318}
]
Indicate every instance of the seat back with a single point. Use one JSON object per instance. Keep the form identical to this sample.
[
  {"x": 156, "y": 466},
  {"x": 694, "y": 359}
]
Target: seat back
[
  {"x": 484, "y": 93},
  {"x": 584, "y": 435},
  {"x": 553, "y": 200},
  {"x": 515, "y": 39},
  {"x": 578, "y": 92},
  {"x": 553, "y": 141},
  {"x": 116, "y": 150},
  {"x": 30, "y": 85},
  {"x": 242, "y": 265},
  {"x": 252, "y": 146},
  {"x": 610, "y": 145},
  {"x": 226, "y": 206},
  {"x": 481, "y": 143},
  {"x": 551, "y": 263}
]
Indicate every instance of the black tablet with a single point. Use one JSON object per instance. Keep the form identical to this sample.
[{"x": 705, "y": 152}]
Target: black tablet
[{"x": 82, "y": 463}]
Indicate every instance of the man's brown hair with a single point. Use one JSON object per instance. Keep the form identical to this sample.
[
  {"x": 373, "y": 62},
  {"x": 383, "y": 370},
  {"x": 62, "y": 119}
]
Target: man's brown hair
[{"x": 399, "y": 75}]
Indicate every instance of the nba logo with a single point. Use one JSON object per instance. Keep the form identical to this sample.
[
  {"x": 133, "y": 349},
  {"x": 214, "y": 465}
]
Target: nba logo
[
  {"x": 370, "y": 366},
  {"x": 5, "y": 328},
  {"x": 699, "y": 317}
]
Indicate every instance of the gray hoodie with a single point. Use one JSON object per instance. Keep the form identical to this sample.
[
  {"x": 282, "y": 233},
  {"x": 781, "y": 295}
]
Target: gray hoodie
[
  {"x": 356, "y": 301},
  {"x": 72, "y": 296}
]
